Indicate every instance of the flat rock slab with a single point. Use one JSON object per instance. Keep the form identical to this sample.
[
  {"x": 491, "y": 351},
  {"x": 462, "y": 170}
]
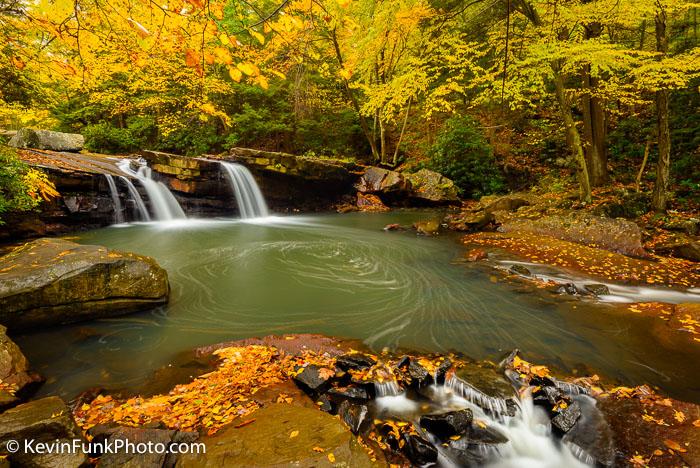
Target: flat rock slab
[
  {"x": 47, "y": 140},
  {"x": 282, "y": 435},
  {"x": 47, "y": 420},
  {"x": 54, "y": 281}
]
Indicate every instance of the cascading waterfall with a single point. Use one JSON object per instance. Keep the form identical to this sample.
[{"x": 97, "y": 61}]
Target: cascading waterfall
[
  {"x": 136, "y": 196},
  {"x": 251, "y": 203},
  {"x": 116, "y": 201},
  {"x": 164, "y": 205}
]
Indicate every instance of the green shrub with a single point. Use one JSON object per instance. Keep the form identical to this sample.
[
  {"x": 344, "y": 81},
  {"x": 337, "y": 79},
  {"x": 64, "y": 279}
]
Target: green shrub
[
  {"x": 21, "y": 187},
  {"x": 104, "y": 138},
  {"x": 199, "y": 138},
  {"x": 462, "y": 154}
]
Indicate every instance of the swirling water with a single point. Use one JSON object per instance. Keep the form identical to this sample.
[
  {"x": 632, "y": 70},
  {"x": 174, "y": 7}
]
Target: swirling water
[{"x": 341, "y": 275}]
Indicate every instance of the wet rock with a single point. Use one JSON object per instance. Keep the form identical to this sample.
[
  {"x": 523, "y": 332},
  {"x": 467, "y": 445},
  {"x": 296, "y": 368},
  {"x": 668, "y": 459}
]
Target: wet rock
[
  {"x": 310, "y": 379},
  {"x": 354, "y": 361},
  {"x": 51, "y": 281},
  {"x": 47, "y": 421},
  {"x": 469, "y": 221},
  {"x": 394, "y": 227},
  {"x": 14, "y": 370},
  {"x": 353, "y": 415},
  {"x": 567, "y": 417},
  {"x": 432, "y": 187},
  {"x": 134, "y": 435},
  {"x": 518, "y": 269},
  {"x": 597, "y": 289},
  {"x": 681, "y": 247},
  {"x": 568, "y": 288},
  {"x": 325, "y": 404},
  {"x": 448, "y": 424},
  {"x": 351, "y": 393},
  {"x": 419, "y": 375},
  {"x": 592, "y": 433},
  {"x": 427, "y": 228},
  {"x": 378, "y": 180},
  {"x": 474, "y": 255},
  {"x": 616, "y": 235},
  {"x": 266, "y": 442},
  {"x": 505, "y": 203},
  {"x": 370, "y": 202},
  {"x": 487, "y": 380},
  {"x": 47, "y": 140},
  {"x": 418, "y": 450},
  {"x": 441, "y": 371}
]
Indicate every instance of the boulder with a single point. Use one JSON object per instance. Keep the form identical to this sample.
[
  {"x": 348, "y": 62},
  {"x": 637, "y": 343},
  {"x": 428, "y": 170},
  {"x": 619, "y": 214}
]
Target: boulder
[
  {"x": 432, "y": 187},
  {"x": 136, "y": 436},
  {"x": 378, "y": 180},
  {"x": 565, "y": 420},
  {"x": 448, "y": 424},
  {"x": 616, "y": 235},
  {"x": 518, "y": 269},
  {"x": 370, "y": 202},
  {"x": 47, "y": 140},
  {"x": 311, "y": 380},
  {"x": 419, "y": 451},
  {"x": 681, "y": 246},
  {"x": 353, "y": 415},
  {"x": 430, "y": 227},
  {"x": 46, "y": 421},
  {"x": 512, "y": 202},
  {"x": 597, "y": 289},
  {"x": 355, "y": 361},
  {"x": 14, "y": 370},
  {"x": 53, "y": 281},
  {"x": 267, "y": 442}
]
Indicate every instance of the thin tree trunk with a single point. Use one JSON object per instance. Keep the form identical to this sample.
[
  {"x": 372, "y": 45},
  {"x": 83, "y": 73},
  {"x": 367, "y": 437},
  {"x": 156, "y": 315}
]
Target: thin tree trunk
[
  {"x": 638, "y": 180},
  {"x": 660, "y": 195},
  {"x": 594, "y": 121},
  {"x": 382, "y": 142},
  {"x": 572, "y": 136},
  {"x": 403, "y": 129}
]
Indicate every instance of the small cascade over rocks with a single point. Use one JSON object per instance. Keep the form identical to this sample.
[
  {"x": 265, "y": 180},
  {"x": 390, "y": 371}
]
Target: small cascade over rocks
[
  {"x": 116, "y": 201},
  {"x": 136, "y": 197},
  {"x": 423, "y": 412},
  {"x": 250, "y": 200},
  {"x": 163, "y": 204}
]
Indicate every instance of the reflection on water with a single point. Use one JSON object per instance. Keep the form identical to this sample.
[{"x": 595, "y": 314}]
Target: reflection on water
[{"x": 340, "y": 275}]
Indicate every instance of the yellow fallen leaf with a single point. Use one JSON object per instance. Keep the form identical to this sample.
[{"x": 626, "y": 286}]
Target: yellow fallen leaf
[
  {"x": 331, "y": 457},
  {"x": 293, "y": 434}
]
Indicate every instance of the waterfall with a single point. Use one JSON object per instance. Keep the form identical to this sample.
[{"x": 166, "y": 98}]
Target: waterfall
[
  {"x": 118, "y": 214},
  {"x": 136, "y": 196},
  {"x": 251, "y": 203},
  {"x": 164, "y": 205}
]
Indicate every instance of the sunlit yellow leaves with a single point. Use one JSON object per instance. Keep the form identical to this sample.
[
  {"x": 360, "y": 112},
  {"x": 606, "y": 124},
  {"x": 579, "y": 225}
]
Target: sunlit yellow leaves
[
  {"x": 192, "y": 58},
  {"x": 224, "y": 39},
  {"x": 331, "y": 458},
  {"x": 259, "y": 37},
  {"x": 18, "y": 62},
  {"x": 293, "y": 434},
  {"x": 262, "y": 81},
  {"x": 235, "y": 74},
  {"x": 248, "y": 68},
  {"x": 222, "y": 55}
]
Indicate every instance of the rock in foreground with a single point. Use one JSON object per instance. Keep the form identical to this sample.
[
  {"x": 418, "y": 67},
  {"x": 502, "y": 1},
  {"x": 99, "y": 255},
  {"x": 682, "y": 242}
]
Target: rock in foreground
[
  {"x": 47, "y": 140},
  {"x": 47, "y": 420},
  {"x": 282, "y": 435},
  {"x": 14, "y": 371},
  {"x": 52, "y": 281}
]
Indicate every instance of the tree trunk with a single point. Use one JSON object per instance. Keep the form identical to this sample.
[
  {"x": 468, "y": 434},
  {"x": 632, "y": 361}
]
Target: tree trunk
[
  {"x": 660, "y": 195},
  {"x": 572, "y": 136},
  {"x": 594, "y": 122},
  {"x": 403, "y": 129}
]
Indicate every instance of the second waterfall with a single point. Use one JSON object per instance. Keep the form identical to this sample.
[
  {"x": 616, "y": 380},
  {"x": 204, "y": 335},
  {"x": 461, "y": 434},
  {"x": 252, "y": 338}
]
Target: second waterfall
[{"x": 251, "y": 203}]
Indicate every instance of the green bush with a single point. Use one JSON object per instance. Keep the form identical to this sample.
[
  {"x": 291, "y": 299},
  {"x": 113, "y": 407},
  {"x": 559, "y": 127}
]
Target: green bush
[
  {"x": 104, "y": 138},
  {"x": 18, "y": 183},
  {"x": 462, "y": 154},
  {"x": 199, "y": 138}
]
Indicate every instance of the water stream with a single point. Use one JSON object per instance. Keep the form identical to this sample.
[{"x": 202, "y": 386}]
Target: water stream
[
  {"x": 251, "y": 203},
  {"x": 136, "y": 197},
  {"x": 342, "y": 275},
  {"x": 116, "y": 201},
  {"x": 164, "y": 205}
]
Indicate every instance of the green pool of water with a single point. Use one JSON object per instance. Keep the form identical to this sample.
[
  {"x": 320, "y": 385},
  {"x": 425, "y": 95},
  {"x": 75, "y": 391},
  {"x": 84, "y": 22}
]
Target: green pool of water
[{"x": 342, "y": 275}]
